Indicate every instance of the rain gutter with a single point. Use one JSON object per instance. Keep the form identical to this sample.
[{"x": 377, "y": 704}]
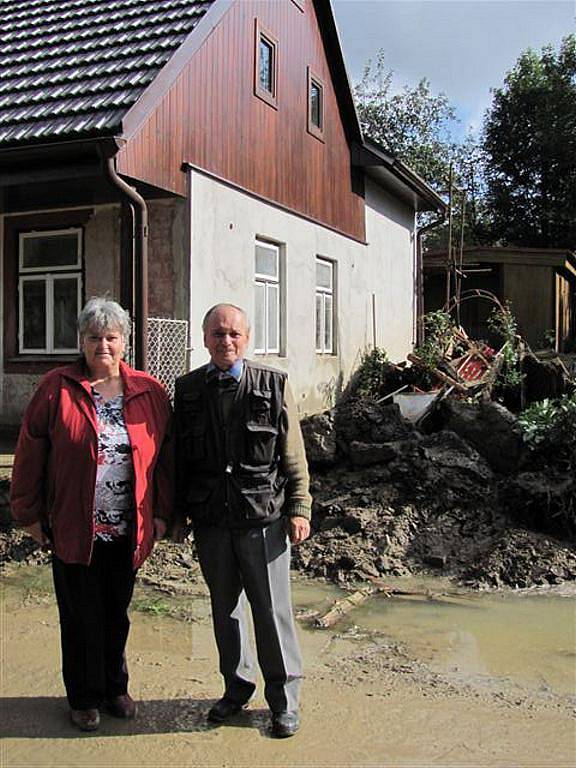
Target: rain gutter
[{"x": 139, "y": 283}]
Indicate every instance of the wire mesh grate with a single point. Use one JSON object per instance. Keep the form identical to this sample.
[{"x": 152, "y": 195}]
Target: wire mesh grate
[{"x": 167, "y": 343}]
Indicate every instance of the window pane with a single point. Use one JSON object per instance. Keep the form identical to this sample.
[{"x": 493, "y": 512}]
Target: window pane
[
  {"x": 316, "y": 105},
  {"x": 260, "y": 317},
  {"x": 65, "y": 313},
  {"x": 266, "y": 73},
  {"x": 328, "y": 320},
  {"x": 324, "y": 275},
  {"x": 34, "y": 314},
  {"x": 273, "y": 314},
  {"x": 50, "y": 251},
  {"x": 319, "y": 319},
  {"x": 267, "y": 261}
]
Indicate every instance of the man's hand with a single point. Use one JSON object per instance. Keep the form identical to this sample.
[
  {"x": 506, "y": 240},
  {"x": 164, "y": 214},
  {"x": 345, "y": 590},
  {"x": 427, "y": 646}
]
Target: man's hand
[
  {"x": 299, "y": 529},
  {"x": 35, "y": 530},
  {"x": 159, "y": 528},
  {"x": 178, "y": 532}
]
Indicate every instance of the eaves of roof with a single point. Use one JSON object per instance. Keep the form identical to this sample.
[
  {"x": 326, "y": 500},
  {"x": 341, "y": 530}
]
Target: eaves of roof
[
  {"x": 535, "y": 257},
  {"x": 392, "y": 174}
]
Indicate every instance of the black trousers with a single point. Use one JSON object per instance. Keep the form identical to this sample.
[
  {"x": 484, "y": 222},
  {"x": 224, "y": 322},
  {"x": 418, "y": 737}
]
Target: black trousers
[{"x": 93, "y": 602}]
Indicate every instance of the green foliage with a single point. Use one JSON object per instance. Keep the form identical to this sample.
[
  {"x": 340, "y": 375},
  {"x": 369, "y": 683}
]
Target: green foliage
[
  {"x": 504, "y": 324},
  {"x": 439, "y": 330},
  {"x": 530, "y": 146},
  {"x": 371, "y": 373},
  {"x": 549, "y": 339},
  {"x": 416, "y": 126},
  {"x": 412, "y": 124},
  {"x": 540, "y": 420},
  {"x": 153, "y": 605}
]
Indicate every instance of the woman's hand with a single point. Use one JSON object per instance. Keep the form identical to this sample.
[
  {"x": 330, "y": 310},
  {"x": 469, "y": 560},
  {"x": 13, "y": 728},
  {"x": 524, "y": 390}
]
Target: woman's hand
[
  {"x": 35, "y": 530},
  {"x": 159, "y": 528}
]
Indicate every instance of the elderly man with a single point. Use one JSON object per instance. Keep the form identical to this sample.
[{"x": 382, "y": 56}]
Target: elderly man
[{"x": 242, "y": 480}]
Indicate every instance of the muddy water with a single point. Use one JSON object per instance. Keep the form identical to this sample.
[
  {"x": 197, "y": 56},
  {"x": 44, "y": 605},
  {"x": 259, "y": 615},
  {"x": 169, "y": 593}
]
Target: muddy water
[
  {"x": 461, "y": 680},
  {"x": 527, "y": 637}
]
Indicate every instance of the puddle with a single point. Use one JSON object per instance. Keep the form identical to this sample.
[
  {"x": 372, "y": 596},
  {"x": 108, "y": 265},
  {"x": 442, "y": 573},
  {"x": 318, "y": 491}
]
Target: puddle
[{"x": 528, "y": 638}]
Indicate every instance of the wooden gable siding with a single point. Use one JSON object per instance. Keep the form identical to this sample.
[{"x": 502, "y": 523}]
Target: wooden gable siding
[{"x": 211, "y": 118}]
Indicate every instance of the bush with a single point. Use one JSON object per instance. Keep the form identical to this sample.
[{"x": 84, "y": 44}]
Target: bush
[
  {"x": 550, "y": 419},
  {"x": 371, "y": 374}
]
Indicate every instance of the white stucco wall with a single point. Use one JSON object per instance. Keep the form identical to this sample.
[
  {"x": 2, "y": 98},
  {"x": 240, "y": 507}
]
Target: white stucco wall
[{"x": 225, "y": 223}]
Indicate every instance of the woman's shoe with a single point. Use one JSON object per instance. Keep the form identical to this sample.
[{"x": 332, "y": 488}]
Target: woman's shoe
[{"x": 85, "y": 719}]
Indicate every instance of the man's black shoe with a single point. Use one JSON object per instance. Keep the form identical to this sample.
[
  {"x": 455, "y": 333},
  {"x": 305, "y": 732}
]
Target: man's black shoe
[
  {"x": 284, "y": 724},
  {"x": 223, "y": 709}
]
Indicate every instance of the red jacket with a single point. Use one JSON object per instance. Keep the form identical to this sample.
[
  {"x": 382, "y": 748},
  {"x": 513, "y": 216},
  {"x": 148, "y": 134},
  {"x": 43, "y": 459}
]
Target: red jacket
[{"x": 54, "y": 473}]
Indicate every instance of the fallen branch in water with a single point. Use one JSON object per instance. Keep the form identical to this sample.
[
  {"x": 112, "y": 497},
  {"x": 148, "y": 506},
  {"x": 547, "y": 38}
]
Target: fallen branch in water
[{"x": 343, "y": 606}]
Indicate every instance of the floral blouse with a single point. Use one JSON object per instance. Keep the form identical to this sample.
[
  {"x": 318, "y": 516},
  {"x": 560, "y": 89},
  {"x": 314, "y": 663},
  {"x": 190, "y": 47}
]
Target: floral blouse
[{"x": 114, "y": 494}]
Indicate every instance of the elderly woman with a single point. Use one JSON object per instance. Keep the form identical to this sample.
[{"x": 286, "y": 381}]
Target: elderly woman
[{"x": 92, "y": 481}]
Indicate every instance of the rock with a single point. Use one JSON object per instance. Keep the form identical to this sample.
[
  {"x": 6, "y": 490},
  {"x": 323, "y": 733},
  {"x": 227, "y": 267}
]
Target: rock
[
  {"x": 364, "y": 454},
  {"x": 366, "y": 421},
  {"x": 544, "y": 378},
  {"x": 319, "y": 435},
  {"x": 436, "y": 561},
  {"x": 543, "y": 499},
  {"x": 490, "y": 428}
]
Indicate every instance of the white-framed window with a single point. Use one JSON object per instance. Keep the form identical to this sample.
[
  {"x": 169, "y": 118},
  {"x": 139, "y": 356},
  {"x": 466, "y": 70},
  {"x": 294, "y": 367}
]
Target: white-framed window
[
  {"x": 50, "y": 291},
  {"x": 325, "y": 306},
  {"x": 267, "y": 298}
]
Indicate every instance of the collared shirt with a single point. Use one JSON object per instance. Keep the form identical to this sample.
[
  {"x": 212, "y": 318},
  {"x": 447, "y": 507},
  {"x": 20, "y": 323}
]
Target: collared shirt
[
  {"x": 235, "y": 371},
  {"x": 227, "y": 384}
]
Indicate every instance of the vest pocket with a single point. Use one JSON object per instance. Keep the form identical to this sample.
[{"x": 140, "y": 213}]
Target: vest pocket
[
  {"x": 257, "y": 494},
  {"x": 260, "y": 443}
]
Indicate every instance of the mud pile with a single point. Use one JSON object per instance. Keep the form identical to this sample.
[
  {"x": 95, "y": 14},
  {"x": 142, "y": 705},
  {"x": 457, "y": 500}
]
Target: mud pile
[
  {"x": 464, "y": 500},
  {"x": 460, "y": 496}
]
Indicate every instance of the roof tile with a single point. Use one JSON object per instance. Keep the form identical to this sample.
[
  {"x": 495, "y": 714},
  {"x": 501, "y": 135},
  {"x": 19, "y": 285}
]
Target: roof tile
[{"x": 72, "y": 68}]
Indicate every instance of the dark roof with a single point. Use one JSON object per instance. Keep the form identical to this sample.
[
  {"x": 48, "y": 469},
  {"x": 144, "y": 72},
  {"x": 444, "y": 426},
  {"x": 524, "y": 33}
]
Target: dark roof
[{"x": 73, "y": 68}]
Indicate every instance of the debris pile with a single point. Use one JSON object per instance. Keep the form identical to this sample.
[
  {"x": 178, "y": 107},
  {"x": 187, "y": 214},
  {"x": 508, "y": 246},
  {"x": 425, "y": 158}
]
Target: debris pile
[{"x": 420, "y": 469}]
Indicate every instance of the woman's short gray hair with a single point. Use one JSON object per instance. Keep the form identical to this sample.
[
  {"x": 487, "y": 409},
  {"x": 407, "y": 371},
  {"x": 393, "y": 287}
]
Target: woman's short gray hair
[{"x": 101, "y": 314}]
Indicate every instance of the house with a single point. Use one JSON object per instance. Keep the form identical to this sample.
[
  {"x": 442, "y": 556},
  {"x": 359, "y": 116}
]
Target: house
[
  {"x": 539, "y": 284},
  {"x": 180, "y": 153}
]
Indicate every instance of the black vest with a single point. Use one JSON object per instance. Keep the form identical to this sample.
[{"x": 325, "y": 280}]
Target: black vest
[{"x": 232, "y": 471}]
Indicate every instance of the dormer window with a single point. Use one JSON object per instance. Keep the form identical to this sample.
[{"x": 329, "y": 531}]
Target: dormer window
[{"x": 266, "y": 66}]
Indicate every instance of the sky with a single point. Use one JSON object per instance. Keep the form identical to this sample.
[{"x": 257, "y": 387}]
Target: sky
[{"x": 463, "y": 47}]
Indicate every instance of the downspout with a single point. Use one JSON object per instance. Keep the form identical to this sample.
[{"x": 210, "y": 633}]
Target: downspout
[
  {"x": 420, "y": 276},
  {"x": 140, "y": 303}
]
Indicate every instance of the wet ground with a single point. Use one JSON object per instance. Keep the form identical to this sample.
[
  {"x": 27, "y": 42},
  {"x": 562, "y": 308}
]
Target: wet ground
[{"x": 445, "y": 677}]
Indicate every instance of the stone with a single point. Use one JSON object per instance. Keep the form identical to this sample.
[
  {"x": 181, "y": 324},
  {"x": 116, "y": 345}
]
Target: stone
[
  {"x": 364, "y": 454},
  {"x": 319, "y": 435},
  {"x": 491, "y": 428},
  {"x": 360, "y": 420}
]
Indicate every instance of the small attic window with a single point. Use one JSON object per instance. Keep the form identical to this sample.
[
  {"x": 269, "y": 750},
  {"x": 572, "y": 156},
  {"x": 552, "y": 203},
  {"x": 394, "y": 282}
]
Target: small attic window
[
  {"x": 315, "y": 105},
  {"x": 265, "y": 66}
]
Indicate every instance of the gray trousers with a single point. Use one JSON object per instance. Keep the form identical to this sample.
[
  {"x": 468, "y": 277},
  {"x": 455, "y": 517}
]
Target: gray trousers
[{"x": 252, "y": 565}]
